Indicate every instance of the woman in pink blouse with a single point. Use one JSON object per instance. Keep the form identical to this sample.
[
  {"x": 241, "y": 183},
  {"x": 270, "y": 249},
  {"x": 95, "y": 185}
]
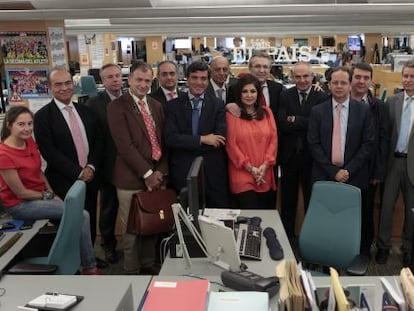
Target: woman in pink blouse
[{"x": 252, "y": 147}]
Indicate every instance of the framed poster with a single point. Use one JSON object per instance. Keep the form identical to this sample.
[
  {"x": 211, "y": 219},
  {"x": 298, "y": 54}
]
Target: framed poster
[
  {"x": 24, "y": 47},
  {"x": 27, "y": 83}
]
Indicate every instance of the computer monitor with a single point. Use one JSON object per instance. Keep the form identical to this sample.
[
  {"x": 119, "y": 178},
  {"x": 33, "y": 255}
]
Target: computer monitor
[{"x": 196, "y": 190}]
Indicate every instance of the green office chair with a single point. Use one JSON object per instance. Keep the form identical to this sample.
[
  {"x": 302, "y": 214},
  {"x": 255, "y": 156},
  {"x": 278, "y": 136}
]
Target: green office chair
[
  {"x": 64, "y": 255},
  {"x": 331, "y": 231},
  {"x": 88, "y": 86}
]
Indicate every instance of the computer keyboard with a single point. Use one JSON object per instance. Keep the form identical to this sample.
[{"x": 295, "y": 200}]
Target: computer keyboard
[
  {"x": 249, "y": 241},
  {"x": 10, "y": 242}
]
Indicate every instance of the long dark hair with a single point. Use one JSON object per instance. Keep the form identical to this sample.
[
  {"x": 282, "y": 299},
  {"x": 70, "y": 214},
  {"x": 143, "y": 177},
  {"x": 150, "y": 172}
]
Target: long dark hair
[
  {"x": 12, "y": 114},
  {"x": 243, "y": 81}
]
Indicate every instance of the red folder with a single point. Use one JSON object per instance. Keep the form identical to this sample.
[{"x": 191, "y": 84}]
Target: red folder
[{"x": 182, "y": 295}]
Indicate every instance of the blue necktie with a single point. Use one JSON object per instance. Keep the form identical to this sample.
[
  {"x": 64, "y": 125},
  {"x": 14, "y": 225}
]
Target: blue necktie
[
  {"x": 405, "y": 126},
  {"x": 195, "y": 114}
]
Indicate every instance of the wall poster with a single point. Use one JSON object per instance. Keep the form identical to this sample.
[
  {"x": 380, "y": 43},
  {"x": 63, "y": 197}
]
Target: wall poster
[
  {"x": 24, "y": 47},
  {"x": 27, "y": 83}
]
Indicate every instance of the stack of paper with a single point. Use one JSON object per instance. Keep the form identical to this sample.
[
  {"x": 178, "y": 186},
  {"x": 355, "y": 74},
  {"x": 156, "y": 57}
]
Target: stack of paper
[
  {"x": 183, "y": 295},
  {"x": 60, "y": 302},
  {"x": 238, "y": 301},
  {"x": 291, "y": 292},
  {"x": 407, "y": 283}
]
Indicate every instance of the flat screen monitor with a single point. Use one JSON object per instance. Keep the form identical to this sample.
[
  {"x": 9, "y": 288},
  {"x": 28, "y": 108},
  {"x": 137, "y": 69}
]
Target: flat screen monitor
[
  {"x": 196, "y": 190},
  {"x": 354, "y": 43}
]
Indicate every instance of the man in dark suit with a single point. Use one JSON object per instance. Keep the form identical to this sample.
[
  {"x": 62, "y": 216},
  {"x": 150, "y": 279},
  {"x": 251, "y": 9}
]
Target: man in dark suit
[
  {"x": 259, "y": 66},
  {"x": 294, "y": 157},
  {"x": 112, "y": 80},
  {"x": 341, "y": 135},
  {"x": 69, "y": 141},
  {"x": 400, "y": 168},
  {"x": 167, "y": 75},
  {"x": 136, "y": 123},
  {"x": 220, "y": 79},
  {"x": 361, "y": 81},
  {"x": 196, "y": 126}
]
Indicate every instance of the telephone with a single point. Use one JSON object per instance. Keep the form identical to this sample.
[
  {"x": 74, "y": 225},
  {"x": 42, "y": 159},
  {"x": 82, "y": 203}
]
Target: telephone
[{"x": 248, "y": 281}]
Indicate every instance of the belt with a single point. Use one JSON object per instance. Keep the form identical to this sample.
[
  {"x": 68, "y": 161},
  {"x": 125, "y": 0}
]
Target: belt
[{"x": 400, "y": 155}]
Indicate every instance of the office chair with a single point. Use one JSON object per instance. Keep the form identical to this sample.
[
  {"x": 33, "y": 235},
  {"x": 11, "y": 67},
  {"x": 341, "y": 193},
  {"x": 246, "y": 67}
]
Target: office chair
[
  {"x": 88, "y": 86},
  {"x": 64, "y": 255},
  {"x": 331, "y": 230}
]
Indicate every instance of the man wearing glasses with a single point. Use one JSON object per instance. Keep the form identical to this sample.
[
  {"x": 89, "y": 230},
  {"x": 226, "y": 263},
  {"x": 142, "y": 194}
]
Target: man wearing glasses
[
  {"x": 167, "y": 75},
  {"x": 69, "y": 140}
]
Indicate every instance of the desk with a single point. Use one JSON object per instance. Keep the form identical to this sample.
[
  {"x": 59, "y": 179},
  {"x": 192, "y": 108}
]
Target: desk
[
  {"x": 101, "y": 292},
  {"x": 265, "y": 267},
  {"x": 18, "y": 246}
]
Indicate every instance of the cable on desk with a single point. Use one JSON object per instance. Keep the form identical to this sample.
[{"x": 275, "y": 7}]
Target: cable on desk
[{"x": 202, "y": 278}]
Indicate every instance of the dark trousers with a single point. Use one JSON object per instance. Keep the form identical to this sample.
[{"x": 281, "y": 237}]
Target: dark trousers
[
  {"x": 367, "y": 215},
  {"x": 256, "y": 200},
  {"x": 297, "y": 171},
  {"x": 107, "y": 218}
]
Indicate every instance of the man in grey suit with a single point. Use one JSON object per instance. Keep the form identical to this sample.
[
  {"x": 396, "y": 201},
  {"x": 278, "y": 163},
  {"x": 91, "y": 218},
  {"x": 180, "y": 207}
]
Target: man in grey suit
[
  {"x": 400, "y": 174},
  {"x": 220, "y": 79},
  {"x": 112, "y": 80}
]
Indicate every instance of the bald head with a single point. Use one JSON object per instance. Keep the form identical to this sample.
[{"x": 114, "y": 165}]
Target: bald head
[{"x": 220, "y": 70}]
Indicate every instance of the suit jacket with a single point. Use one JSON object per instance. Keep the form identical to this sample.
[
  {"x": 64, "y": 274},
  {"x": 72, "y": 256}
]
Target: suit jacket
[
  {"x": 292, "y": 132},
  {"x": 99, "y": 105},
  {"x": 359, "y": 143},
  {"x": 134, "y": 154},
  {"x": 395, "y": 106},
  {"x": 184, "y": 147},
  {"x": 159, "y": 95},
  {"x": 275, "y": 89},
  {"x": 380, "y": 118},
  {"x": 58, "y": 149},
  {"x": 210, "y": 88}
]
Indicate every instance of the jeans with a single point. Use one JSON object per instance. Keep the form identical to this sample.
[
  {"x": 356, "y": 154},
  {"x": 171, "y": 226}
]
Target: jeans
[{"x": 53, "y": 209}]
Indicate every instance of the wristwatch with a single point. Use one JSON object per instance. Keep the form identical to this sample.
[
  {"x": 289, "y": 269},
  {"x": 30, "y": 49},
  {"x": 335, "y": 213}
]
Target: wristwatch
[{"x": 48, "y": 195}]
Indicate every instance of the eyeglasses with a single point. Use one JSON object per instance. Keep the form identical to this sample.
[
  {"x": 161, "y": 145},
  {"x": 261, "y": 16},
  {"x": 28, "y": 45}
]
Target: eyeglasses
[{"x": 60, "y": 85}]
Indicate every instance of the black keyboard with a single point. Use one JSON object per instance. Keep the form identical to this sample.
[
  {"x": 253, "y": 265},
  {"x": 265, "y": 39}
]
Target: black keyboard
[{"x": 249, "y": 241}]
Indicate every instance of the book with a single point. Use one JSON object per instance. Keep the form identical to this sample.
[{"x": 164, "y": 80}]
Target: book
[
  {"x": 238, "y": 301},
  {"x": 394, "y": 293},
  {"x": 181, "y": 295},
  {"x": 51, "y": 301},
  {"x": 342, "y": 302}
]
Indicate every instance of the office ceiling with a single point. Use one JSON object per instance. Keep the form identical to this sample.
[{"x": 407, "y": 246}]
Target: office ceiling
[{"x": 276, "y": 18}]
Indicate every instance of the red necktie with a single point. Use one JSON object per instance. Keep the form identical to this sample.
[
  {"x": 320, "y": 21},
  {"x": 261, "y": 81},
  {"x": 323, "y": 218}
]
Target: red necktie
[
  {"x": 171, "y": 95},
  {"x": 262, "y": 96},
  {"x": 149, "y": 124},
  {"x": 337, "y": 154},
  {"x": 77, "y": 137}
]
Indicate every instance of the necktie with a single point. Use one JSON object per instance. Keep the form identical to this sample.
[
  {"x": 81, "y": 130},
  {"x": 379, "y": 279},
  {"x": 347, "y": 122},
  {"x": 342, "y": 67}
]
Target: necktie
[
  {"x": 262, "y": 96},
  {"x": 337, "y": 154},
  {"x": 149, "y": 124},
  {"x": 220, "y": 94},
  {"x": 195, "y": 114},
  {"x": 303, "y": 99},
  {"x": 405, "y": 126},
  {"x": 77, "y": 137},
  {"x": 171, "y": 95}
]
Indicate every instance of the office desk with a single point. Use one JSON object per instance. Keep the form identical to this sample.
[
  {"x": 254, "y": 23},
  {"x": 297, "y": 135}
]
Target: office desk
[
  {"x": 8, "y": 256},
  {"x": 101, "y": 292},
  {"x": 265, "y": 267}
]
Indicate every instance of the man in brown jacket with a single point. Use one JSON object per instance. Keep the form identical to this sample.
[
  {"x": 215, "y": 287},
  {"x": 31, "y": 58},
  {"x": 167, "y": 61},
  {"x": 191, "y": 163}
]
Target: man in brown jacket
[{"x": 136, "y": 124}]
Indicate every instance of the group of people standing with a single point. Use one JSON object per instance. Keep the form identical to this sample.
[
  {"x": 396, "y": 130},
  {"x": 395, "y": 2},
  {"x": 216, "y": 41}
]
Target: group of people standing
[{"x": 245, "y": 129}]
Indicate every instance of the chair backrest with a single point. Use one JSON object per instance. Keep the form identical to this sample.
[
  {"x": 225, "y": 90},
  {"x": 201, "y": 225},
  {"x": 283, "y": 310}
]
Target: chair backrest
[
  {"x": 88, "y": 86},
  {"x": 384, "y": 95},
  {"x": 65, "y": 250},
  {"x": 331, "y": 231}
]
